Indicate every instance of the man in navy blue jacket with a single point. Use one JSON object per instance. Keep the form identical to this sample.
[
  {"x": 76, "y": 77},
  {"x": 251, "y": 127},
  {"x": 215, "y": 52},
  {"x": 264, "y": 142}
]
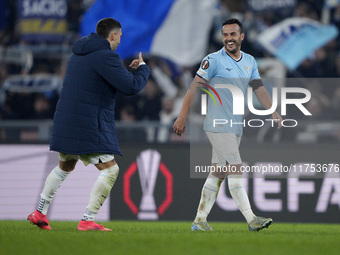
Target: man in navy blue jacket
[{"x": 83, "y": 124}]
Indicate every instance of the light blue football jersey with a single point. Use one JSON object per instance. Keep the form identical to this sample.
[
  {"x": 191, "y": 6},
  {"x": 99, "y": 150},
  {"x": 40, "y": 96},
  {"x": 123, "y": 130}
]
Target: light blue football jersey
[{"x": 220, "y": 68}]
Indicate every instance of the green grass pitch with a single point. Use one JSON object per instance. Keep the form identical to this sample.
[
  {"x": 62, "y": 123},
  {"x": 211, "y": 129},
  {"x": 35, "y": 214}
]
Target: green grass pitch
[{"x": 175, "y": 238}]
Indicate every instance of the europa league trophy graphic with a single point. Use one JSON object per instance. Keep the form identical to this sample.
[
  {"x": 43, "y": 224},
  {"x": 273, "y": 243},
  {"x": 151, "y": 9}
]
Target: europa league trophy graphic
[{"x": 148, "y": 164}]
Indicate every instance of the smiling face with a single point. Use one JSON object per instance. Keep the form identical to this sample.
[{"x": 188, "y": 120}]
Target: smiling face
[{"x": 232, "y": 39}]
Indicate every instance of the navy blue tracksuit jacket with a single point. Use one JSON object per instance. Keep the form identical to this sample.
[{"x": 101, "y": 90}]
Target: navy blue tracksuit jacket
[{"x": 84, "y": 117}]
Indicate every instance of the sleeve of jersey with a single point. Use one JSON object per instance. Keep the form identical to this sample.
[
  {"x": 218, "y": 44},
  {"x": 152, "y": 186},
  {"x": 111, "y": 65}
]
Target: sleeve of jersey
[
  {"x": 255, "y": 79},
  {"x": 207, "y": 68},
  {"x": 255, "y": 71}
]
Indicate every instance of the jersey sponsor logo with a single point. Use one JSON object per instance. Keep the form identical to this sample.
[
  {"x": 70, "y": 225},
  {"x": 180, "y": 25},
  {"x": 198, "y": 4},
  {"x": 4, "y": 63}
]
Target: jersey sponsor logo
[{"x": 205, "y": 64}]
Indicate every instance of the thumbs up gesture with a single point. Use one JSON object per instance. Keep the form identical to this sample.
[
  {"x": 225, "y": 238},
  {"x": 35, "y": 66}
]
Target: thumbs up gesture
[{"x": 135, "y": 63}]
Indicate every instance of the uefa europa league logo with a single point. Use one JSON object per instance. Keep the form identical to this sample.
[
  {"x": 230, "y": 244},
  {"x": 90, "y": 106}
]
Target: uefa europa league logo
[{"x": 148, "y": 164}]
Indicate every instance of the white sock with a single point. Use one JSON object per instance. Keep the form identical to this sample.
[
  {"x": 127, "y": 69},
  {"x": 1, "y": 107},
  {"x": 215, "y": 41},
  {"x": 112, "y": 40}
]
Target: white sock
[
  {"x": 240, "y": 196},
  {"x": 208, "y": 197},
  {"x": 52, "y": 184},
  {"x": 100, "y": 191}
]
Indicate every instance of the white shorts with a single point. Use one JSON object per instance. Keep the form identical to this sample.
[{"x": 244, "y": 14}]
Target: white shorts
[
  {"x": 90, "y": 158},
  {"x": 225, "y": 148}
]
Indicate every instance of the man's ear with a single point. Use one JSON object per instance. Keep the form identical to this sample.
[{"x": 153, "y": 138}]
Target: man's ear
[{"x": 112, "y": 36}]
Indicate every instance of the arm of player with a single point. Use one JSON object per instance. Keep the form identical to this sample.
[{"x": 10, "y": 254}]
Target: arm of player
[
  {"x": 180, "y": 123},
  {"x": 112, "y": 69},
  {"x": 264, "y": 98}
]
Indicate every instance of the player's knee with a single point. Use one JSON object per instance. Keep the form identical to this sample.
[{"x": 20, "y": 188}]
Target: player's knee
[
  {"x": 68, "y": 166},
  {"x": 219, "y": 174},
  {"x": 234, "y": 169},
  {"x": 110, "y": 174}
]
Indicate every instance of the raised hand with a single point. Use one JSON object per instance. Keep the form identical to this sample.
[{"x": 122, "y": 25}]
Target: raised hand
[{"x": 135, "y": 63}]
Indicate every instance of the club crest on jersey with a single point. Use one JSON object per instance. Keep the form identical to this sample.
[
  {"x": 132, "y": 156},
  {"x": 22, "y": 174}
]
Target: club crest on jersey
[
  {"x": 248, "y": 68},
  {"x": 205, "y": 64}
]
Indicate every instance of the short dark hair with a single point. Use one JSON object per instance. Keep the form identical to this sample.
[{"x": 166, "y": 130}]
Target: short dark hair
[
  {"x": 106, "y": 25},
  {"x": 233, "y": 21}
]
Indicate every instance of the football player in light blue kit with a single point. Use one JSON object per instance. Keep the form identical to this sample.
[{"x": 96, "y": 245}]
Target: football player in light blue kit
[{"x": 233, "y": 67}]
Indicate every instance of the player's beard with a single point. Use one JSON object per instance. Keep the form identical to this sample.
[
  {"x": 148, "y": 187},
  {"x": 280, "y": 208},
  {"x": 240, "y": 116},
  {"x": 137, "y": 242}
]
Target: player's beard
[
  {"x": 236, "y": 48},
  {"x": 114, "y": 46}
]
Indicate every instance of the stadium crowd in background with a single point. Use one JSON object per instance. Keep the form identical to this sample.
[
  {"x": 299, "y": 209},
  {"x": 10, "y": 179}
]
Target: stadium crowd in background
[{"x": 161, "y": 99}]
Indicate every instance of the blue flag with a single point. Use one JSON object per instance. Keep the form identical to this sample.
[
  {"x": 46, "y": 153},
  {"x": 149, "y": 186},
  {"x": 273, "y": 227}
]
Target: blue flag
[
  {"x": 139, "y": 19},
  {"x": 175, "y": 29},
  {"x": 295, "y": 39}
]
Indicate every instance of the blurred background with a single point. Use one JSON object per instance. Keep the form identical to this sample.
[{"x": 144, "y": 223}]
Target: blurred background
[{"x": 295, "y": 42}]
